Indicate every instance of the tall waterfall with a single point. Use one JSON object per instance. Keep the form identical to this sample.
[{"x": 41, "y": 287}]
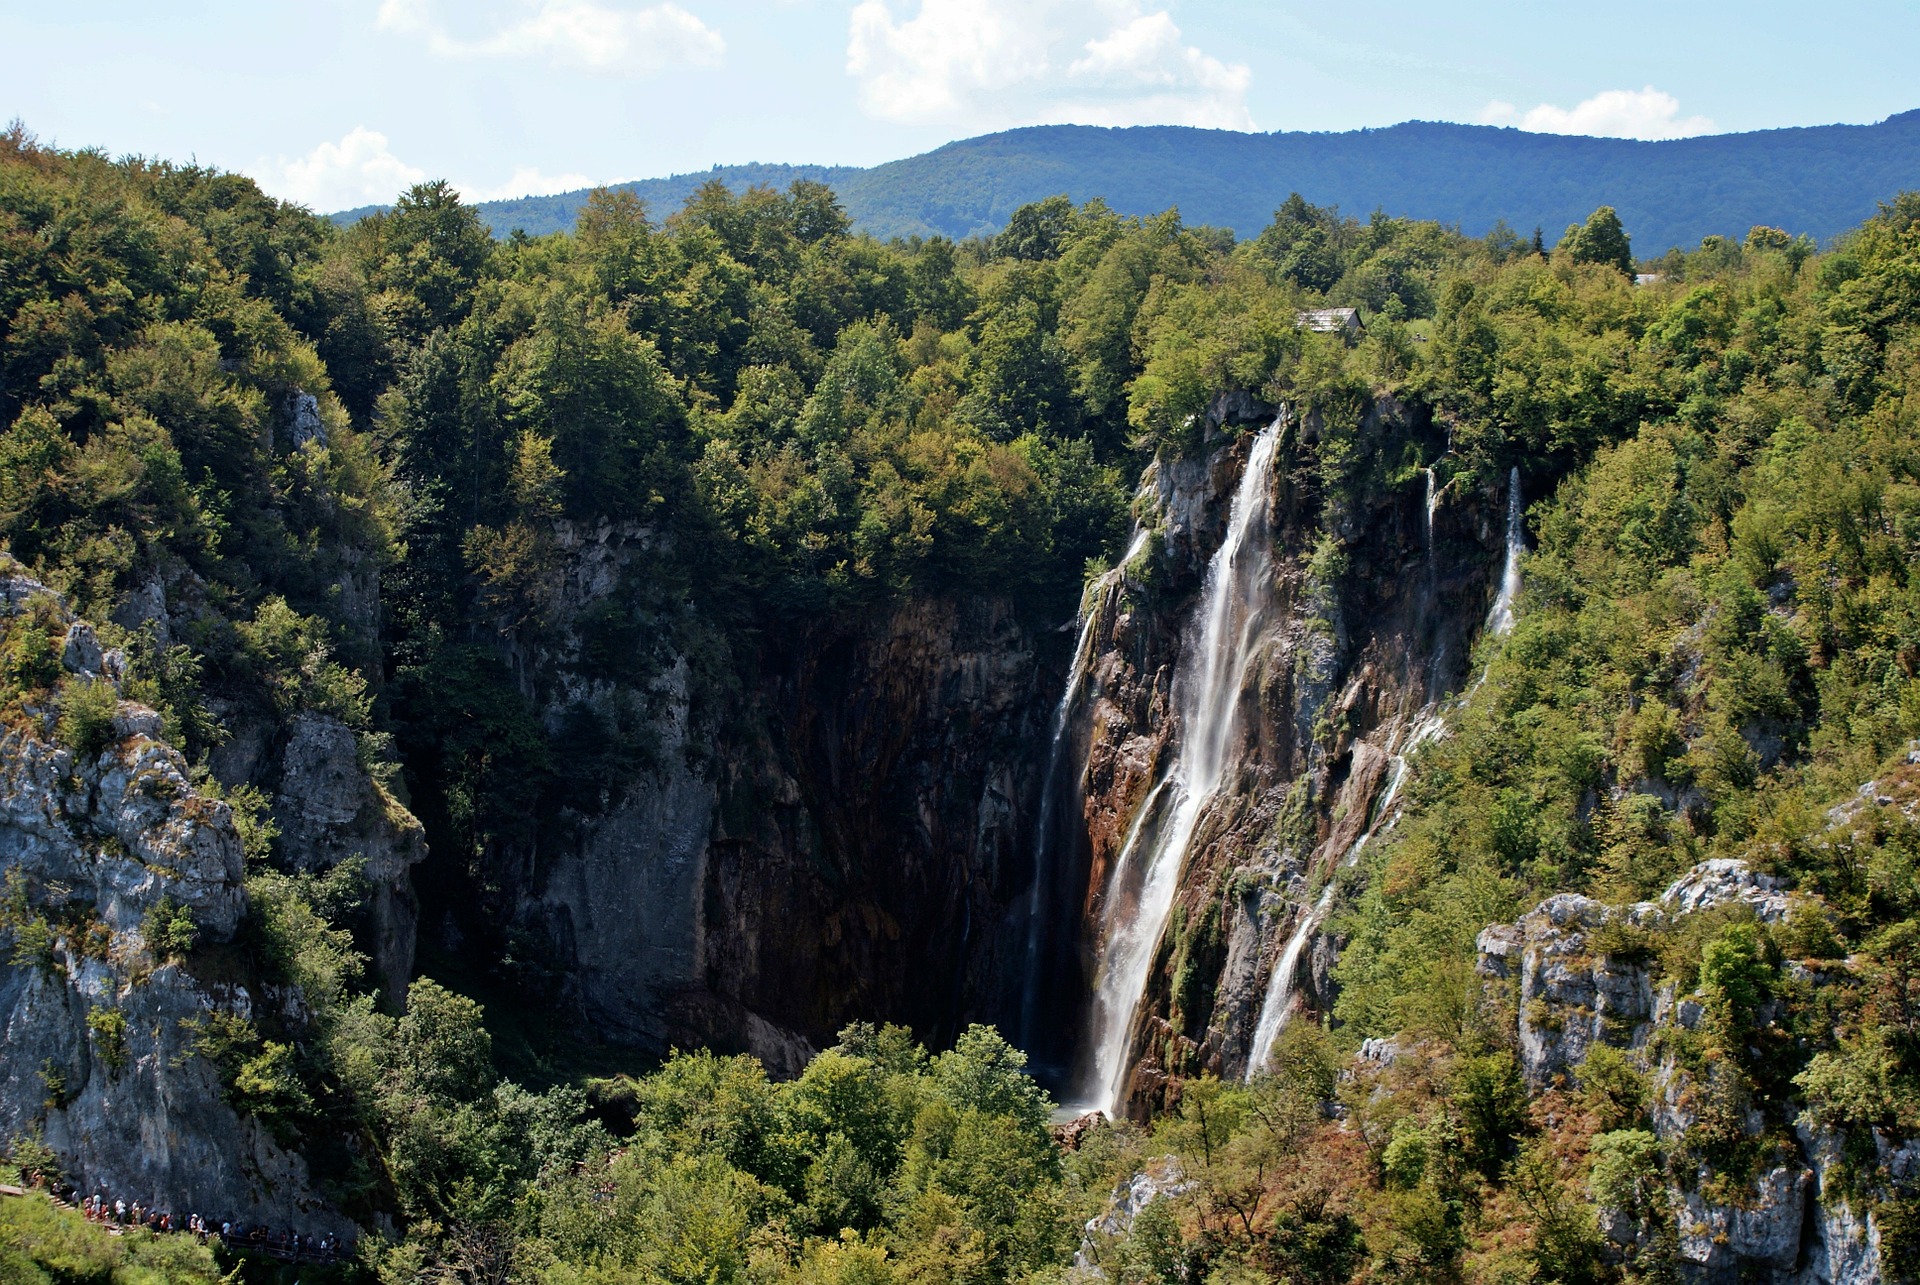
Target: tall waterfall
[
  {"x": 1062, "y": 740},
  {"x": 1500, "y": 619},
  {"x": 1207, "y": 687}
]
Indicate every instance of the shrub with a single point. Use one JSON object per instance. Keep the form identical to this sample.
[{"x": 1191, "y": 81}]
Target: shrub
[
  {"x": 109, "y": 1027},
  {"x": 1626, "y": 1166},
  {"x": 87, "y": 707},
  {"x": 29, "y": 661},
  {"x": 1612, "y": 1087},
  {"x": 169, "y": 930}
]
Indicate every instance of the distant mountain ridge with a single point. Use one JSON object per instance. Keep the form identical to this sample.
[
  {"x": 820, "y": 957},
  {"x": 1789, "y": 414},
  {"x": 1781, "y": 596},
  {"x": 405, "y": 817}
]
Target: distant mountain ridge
[{"x": 1819, "y": 180}]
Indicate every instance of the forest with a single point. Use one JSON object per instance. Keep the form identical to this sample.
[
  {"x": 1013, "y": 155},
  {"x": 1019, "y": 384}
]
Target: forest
[
  {"x": 1717, "y": 642},
  {"x": 1819, "y": 181}
]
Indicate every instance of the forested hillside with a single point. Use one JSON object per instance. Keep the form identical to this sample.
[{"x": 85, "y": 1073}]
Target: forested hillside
[
  {"x": 477, "y": 511},
  {"x": 1819, "y": 181}
]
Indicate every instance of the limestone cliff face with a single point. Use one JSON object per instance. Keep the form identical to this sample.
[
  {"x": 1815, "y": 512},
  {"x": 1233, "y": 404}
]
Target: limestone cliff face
[
  {"x": 837, "y": 838},
  {"x": 327, "y": 805},
  {"x": 330, "y": 810},
  {"x": 1797, "y": 1221},
  {"x": 96, "y": 1042},
  {"x": 1371, "y": 624}
]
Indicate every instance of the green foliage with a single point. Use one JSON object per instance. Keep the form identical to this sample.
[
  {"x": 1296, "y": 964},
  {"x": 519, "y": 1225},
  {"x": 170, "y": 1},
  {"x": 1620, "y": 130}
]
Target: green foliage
[
  {"x": 1735, "y": 977},
  {"x": 1613, "y": 1088},
  {"x": 1492, "y": 1100},
  {"x": 293, "y": 657},
  {"x": 109, "y": 1029},
  {"x": 29, "y": 655},
  {"x": 1599, "y": 240},
  {"x": 257, "y": 1074},
  {"x": 87, "y": 707},
  {"x": 1706, "y": 657},
  {"x": 1628, "y": 1173},
  {"x": 877, "y": 1163},
  {"x": 787, "y": 428},
  {"x": 43, "y": 1243},
  {"x": 168, "y": 930}
]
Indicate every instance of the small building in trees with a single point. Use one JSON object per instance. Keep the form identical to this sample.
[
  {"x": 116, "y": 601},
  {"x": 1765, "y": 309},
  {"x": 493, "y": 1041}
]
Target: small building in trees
[{"x": 1344, "y": 322}]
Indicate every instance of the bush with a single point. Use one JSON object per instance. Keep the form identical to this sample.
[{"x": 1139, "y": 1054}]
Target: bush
[
  {"x": 87, "y": 707},
  {"x": 29, "y": 660},
  {"x": 109, "y": 1027},
  {"x": 40, "y": 1242},
  {"x": 1612, "y": 1088},
  {"x": 169, "y": 930}
]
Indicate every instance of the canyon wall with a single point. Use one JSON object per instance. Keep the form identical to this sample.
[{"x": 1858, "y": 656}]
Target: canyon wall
[
  {"x": 123, "y": 921},
  {"x": 1376, "y": 603}
]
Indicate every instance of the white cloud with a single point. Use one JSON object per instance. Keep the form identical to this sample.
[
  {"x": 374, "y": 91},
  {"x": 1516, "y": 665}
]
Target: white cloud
[
  {"x": 526, "y": 181},
  {"x": 610, "y": 37},
  {"x": 1616, "y": 113},
  {"x": 361, "y": 169},
  {"x": 995, "y": 63},
  {"x": 358, "y": 170}
]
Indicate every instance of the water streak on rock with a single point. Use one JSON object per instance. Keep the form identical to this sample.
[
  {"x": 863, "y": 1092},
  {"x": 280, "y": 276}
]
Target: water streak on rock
[
  {"x": 1062, "y": 741},
  {"x": 1500, "y": 619},
  {"x": 1276, "y": 1005}
]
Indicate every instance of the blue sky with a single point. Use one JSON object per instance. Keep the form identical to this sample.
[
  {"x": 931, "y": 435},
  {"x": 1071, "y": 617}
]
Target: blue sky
[{"x": 343, "y": 102}]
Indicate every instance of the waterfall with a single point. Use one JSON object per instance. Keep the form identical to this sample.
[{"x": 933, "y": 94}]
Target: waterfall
[
  {"x": 1207, "y": 686},
  {"x": 1433, "y": 505},
  {"x": 1093, "y": 603},
  {"x": 1500, "y": 619},
  {"x": 1276, "y": 1006}
]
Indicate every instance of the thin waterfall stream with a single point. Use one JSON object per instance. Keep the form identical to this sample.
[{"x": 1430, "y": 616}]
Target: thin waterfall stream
[
  {"x": 1276, "y": 1006},
  {"x": 1208, "y": 682},
  {"x": 1500, "y": 619},
  {"x": 1093, "y": 602}
]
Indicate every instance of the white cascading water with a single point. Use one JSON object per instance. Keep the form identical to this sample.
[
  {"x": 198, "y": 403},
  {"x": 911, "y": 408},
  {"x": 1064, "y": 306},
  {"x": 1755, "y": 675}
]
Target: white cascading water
[
  {"x": 1433, "y": 505},
  {"x": 1207, "y": 687},
  {"x": 1500, "y": 619},
  {"x": 1092, "y": 603},
  {"x": 1276, "y": 1006}
]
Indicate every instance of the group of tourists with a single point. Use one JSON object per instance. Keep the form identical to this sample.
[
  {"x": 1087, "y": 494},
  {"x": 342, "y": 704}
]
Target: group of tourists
[{"x": 257, "y": 1237}]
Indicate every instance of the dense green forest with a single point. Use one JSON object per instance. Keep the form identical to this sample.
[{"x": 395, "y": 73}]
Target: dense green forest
[
  {"x": 1819, "y": 181},
  {"x": 1718, "y": 642}
]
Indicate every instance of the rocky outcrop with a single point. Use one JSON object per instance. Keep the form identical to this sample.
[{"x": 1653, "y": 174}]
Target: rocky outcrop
[
  {"x": 1761, "y": 1233},
  {"x": 1572, "y": 996},
  {"x": 1796, "y": 1221},
  {"x": 104, "y": 849},
  {"x": 1160, "y": 1180},
  {"x": 327, "y": 804},
  {"x": 330, "y": 810}
]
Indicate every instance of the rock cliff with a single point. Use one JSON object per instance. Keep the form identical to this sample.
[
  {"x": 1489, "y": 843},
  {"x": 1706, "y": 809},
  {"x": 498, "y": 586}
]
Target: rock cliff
[
  {"x": 1803, "y": 1216},
  {"x": 1377, "y": 600},
  {"x": 123, "y": 894},
  {"x": 830, "y": 830}
]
